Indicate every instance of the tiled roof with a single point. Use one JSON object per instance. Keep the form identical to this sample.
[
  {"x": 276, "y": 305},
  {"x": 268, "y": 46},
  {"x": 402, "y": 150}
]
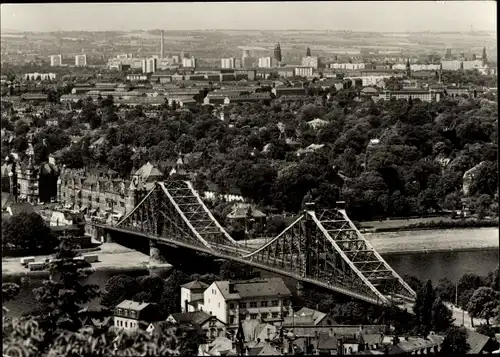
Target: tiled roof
[
  {"x": 147, "y": 171},
  {"x": 132, "y": 305},
  {"x": 327, "y": 342},
  {"x": 476, "y": 342},
  {"x": 197, "y": 317},
  {"x": 317, "y": 316},
  {"x": 256, "y": 288},
  {"x": 195, "y": 285}
]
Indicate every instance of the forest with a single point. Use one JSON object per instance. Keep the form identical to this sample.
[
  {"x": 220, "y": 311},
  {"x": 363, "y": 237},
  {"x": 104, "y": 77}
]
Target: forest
[{"x": 384, "y": 158}]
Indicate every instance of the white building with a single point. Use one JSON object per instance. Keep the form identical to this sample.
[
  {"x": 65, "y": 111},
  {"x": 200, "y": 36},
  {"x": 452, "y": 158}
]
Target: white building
[
  {"x": 265, "y": 62},
  {"x": 192, "y": 296},
  {"x": 149, "y": 65},
  {"x": 227, "y": 62},
  {"x": 310, "y": 61},
  {"x": 453, "y": 65},
  {"x": 81, "y": 60},
  {"x": 349, "y": 66},
  {"x": 189, "y": 62},
  {"x": 42, "y": 76},
  {"x": 476, "y": 64},
  {"x": 128, "y": 314},
  {"x": 261, "y": 299},
  {"x": 55, "y": 60},
  {"x": 417, "y": 67},
  {"x": 303, "y": 71}
]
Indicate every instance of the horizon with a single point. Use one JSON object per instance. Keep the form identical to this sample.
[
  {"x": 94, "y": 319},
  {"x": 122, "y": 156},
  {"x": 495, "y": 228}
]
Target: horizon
[{"x": 355, "y": 16}]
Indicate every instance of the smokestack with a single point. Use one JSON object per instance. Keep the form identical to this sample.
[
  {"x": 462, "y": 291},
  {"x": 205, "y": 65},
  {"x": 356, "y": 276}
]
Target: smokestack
[{"x": 161, "y": 45}]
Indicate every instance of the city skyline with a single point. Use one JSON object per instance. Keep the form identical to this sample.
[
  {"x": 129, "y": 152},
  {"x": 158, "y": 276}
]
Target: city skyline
[{"x": 333, "y": 16}]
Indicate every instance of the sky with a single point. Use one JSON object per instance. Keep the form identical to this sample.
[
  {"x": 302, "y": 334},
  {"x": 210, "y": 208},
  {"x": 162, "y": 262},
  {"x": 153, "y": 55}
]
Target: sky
[{"x": 376, "y": 16}]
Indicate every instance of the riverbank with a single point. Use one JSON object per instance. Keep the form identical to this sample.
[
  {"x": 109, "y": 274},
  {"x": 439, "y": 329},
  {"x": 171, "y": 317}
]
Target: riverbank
[
  {"x": 425, "y": 223},
  {"x": 112, "y": 258},
  {"x": 423, "y": 241},
  {"x": 433, "y": 241}
]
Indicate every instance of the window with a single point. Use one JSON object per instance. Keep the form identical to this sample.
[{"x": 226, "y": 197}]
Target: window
[
  {"x": 132, "y": 314},
  {"x": 120, "y": 312},
  {"x": 253, "y": 316},
  {"x": 122, "y": 204},
  {"x": 126, "y": 324},
  {"x": 116, "y": 322},
  {"x": 275, "y": 302},
  {"x": 263, "y": 303},
  {"x": 264, "y": 315},
  {"x": 97, "y": 199},
  {"x": 275, "y": 315},
  {"x": 125, "y": 312},
  {"x": 243, "y": 305},
  {"x": 231, "y": 306},
  {"x": 231, "y": 319},
  {"x": 285, "y": 314},
  {"x": 218, "y": 305},
  {"x": 253, "y": 304}
]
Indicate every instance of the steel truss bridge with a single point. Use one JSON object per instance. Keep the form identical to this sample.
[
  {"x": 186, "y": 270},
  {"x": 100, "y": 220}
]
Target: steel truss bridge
[{"x": 322, "y": 248}]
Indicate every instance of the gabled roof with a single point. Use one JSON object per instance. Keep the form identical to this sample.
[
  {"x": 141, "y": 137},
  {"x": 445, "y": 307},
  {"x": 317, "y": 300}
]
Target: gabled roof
[
  {"x": 147, "y": 171},
  {"x": 476, "y": 341},
  {"x": 17, "y": 208},
  {"x": 257, "y": 288},
  {"x": 132, "y": 305},
  {"x": 195, "y": 285},
  {"x": 197, "y": 317},
  {"x": 316, "y": 315}
]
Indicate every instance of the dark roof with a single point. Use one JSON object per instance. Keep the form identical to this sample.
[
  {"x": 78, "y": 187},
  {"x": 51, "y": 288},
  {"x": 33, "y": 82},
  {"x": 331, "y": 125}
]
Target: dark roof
[
  {"x": 327, "y": 342},
  {"x": 476, "y": 341},
  {"x": 254, "y": 288},
  {"x": 17, "y": 208},
  {"x": 195, "y": 285},
  {"x": 197, "y": 317}
]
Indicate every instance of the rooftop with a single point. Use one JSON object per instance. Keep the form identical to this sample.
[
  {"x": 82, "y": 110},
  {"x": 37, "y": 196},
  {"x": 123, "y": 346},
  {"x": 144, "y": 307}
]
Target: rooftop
[{"x": 132, "y": 305}]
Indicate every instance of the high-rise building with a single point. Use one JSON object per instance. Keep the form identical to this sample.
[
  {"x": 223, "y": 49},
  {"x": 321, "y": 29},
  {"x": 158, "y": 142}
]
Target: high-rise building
[
  {"x": 310, "y": 62},
  {"x": 189, "y": 62},
  {"x": 247, "y": 62},
  {"x": 277, "y": 53},
  {"x": 484, "y": 57},
  {"x": 162, "y": 53},
  {"x": 265, "y": 62},
  {"x": 246, "y": 53},
  {"x": 55, "y": 60},
  {"x": 149, "y": 65},
  {"x": 81, "y": 60},
  {"x": 237, "y": 63},
  {"x": 308, "y": 52},
  {"x": 227, "y": 62}
]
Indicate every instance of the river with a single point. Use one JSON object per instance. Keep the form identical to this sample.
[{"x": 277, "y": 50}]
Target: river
[{"x": 433, "y": 266}]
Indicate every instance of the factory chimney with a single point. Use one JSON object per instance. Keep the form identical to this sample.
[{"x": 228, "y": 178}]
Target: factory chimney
[{"x": 161, "y": 45}]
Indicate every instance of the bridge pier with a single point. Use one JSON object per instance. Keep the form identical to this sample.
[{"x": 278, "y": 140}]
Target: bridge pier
[
  {"x": 155, "y": 254},
  {"x": 300, "y": 288}
]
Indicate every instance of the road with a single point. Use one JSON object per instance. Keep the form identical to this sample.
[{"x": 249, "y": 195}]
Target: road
[{"x": 458, "y": 316}]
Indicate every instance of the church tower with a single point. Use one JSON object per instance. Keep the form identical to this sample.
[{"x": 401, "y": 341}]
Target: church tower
[
  {"x": 31, "y": 175},
  {"x": 408, "y": 68},
  {"x": 308, "y": 52},
  {"x": 277, "y": 53},
  {"x": 484, "y": 57}
]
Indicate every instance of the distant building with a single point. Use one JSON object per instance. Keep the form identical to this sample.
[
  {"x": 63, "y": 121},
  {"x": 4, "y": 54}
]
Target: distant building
[
  {"x": 208, "y": 323},
  {"x": 189, "y": 62},
  {"x": 227, "y": 62},
  {"x": 277, "y": 53},
  {"x": 149, "y": 65},
  {"x": 310, "y": 61},
  {"x": 81, "y": 60},
  {"x": 265, "y": 62},
  {"x": 423, "y": 95},
  {"x": 55, "y": 60},
  {"x": 39, "y": 76},
  {"x": 303, "y": 71},
  {"x": 348, "y": 66}
]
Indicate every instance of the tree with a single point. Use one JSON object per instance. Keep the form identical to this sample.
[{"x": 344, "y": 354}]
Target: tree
[
  {"x": 120, "y": 160},
  {"x": 441, "y": 316},
  {"x": 423, "y": 305},
  {"x": 62, "y": 297},
  {"x": 446, "y": 290},
  {"x": 9, "y": 291},
  {"x": 455, "y": 342},
  {"x": 483, "y": 303},
  {"x": 117, "y": 289},
  {"x": 28, "y": 231}
]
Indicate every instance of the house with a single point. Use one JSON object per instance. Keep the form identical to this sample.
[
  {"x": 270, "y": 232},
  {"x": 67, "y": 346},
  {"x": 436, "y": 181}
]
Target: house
[
  {"x": 131, "y": 315},
  {"x": 255, "y": 330},
  {"x": 261, "y": 349},
  {"x": 307, "y": 316},
  {"x": 261, "y": 299},
  {"x": 281, "y": 91},
  {"x": 210, "y": 324},
  {"x": 480, "y": 344},
  {"x": 247, "y": 214},
  {"x": 221, "y": 346},
  {"x": 192, "y": 296}
]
